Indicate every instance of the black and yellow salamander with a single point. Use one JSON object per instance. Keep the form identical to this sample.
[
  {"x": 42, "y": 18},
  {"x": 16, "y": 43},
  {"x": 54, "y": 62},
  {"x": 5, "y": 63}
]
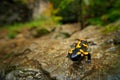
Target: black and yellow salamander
[{"x": 79, "y": 51}]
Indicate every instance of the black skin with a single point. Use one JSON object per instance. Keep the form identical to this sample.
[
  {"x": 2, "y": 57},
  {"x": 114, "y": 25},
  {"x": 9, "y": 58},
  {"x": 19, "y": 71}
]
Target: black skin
[{"x": 79, "y": 57}]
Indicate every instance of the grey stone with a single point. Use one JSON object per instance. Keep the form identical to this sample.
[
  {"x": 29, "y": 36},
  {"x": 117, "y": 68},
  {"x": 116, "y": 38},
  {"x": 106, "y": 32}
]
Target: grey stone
[{"x": 10, "y": 76}]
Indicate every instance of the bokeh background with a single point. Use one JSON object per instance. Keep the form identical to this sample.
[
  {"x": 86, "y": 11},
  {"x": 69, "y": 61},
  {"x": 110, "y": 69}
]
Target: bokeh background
[
  {"x": 39, "y": 13},
  {"x": 35, "y": 36}
]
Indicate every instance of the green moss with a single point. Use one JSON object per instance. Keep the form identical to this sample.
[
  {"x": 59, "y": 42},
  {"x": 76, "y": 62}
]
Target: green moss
[
  {"x": 109, "y": 29},
  {"x": 11, "y": 35},
  {"x": 42, "y": 31},
  {"x": 43, "y": 21}
]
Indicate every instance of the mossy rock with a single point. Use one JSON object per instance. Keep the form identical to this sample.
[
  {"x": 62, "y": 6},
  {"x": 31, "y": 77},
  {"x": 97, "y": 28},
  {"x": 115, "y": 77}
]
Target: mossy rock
[
  {"x": 109, "y": 29},
  {"x": 11, "y": 35},
  {"x": 40, "y": 32}
]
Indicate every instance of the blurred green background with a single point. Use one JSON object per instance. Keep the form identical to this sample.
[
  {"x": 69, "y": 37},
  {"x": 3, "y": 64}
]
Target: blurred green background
[{"x": 17, "y": 14}]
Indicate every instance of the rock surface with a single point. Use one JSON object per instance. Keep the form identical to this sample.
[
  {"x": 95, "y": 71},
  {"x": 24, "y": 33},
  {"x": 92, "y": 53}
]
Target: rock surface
[{"x": 44, "y": 58}]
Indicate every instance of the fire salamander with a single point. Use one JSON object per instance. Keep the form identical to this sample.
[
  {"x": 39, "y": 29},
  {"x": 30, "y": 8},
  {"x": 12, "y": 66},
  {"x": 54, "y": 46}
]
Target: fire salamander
[{"x": 79, "y": 51}]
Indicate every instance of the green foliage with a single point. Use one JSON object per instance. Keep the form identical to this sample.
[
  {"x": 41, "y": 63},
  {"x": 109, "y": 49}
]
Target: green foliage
[
  {"x": 97, "y": 12},
  {"x": 65, "y": 9},
  {"x": 64, "y": 3},
  {"x": 113, "y": 15},
  {"x": 61, "y": 4},
  {"x": 105, "y": 11},
  {"x": 43, "y": 22},
  {"x": 95, "y": 21},
  {"x": 11, "y": 35},
  {"x": 100, "y": 12},
  {"x": 109, "y": 29}
]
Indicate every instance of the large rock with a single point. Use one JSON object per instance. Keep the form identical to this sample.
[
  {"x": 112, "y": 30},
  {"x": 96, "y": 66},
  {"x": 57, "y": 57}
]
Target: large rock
[
  {"x": 49, "y": 55},
  {"x": 22, "y": 71}
]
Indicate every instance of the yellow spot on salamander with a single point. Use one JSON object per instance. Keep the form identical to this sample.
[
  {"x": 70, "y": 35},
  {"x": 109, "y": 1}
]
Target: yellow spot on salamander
[
  {"x": 78, "y": 53},
  {"x": 83, "y": 52},
  {"x": 82, "y": 55},
  {"x": 86, "y": 53},
  {"x": 71, "y": 50},
  {"x": 78, "y": 44},
  {"x": 85, "y": 45}
]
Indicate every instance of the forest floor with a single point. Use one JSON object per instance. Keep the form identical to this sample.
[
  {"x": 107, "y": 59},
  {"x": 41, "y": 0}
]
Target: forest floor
[{"x": 44, "y": 58}]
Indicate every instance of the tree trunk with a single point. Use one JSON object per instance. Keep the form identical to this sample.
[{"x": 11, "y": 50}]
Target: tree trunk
[{"x": 80, "y": 14}]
